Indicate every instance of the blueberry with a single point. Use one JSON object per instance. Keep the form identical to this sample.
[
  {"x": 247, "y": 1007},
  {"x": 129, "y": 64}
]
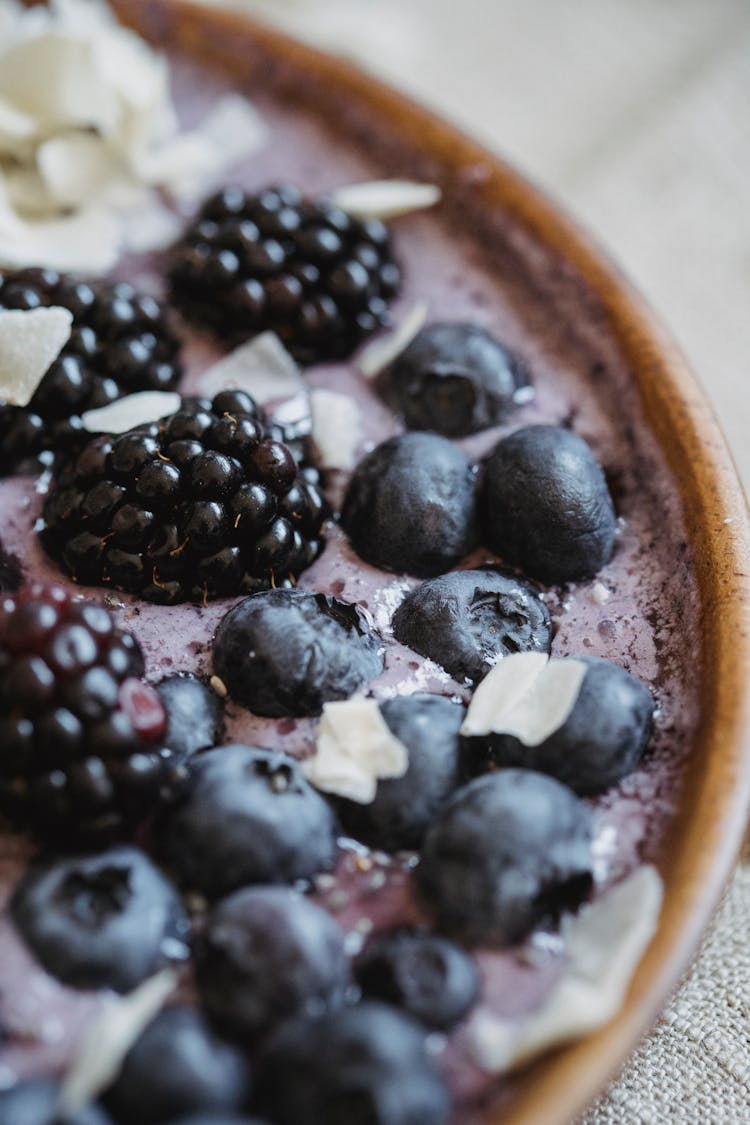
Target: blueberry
[
  {"x": 455, "y": 379},
  {"x": 358, "y": 1066},
  {"x": 510, "y": 851},
  {"x": 411, "y": 505},
  {"x": 546, "y": 505},
  {"x": 246, "y": 816},
  {"x": 600, "y": 742},
  {"x": 432, "y": 979},
  {"x": 100, "y": 921},
  {"x": 268, "y": 954},
  {"x": 195, "y": 714},
  {"x": 286, "y": 653},
  {"x": 177, "y": 1066},
  {"x": 468, "y": 619},
  {"x": 404, "y": 806},
  {"x": 34, "y": 1102}
]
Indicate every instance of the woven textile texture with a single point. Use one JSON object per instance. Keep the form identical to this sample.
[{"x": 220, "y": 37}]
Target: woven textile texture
[{"x": 694, "y": 1067}]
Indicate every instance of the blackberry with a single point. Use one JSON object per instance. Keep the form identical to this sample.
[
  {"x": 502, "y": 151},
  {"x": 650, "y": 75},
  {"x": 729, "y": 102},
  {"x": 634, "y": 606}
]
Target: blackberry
[
  {"x": 120, "y": 343},
  {"x": 202, "y": 504},
  {"x": 315, "y": 275},
  {"x": 79, "y": 730}
]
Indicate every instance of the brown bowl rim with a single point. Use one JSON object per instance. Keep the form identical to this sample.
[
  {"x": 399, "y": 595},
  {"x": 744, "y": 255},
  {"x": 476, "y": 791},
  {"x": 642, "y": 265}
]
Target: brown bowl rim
[{"x": 706, "y": 835}]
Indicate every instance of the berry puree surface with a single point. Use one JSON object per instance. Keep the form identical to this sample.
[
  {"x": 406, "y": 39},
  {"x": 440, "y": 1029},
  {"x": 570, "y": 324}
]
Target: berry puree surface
[{"x": 641, "y": 610}]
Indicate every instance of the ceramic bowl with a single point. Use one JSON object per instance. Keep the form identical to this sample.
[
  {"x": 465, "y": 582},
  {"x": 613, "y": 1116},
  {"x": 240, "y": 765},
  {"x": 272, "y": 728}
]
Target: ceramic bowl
[{"x": 524, "y": 227}]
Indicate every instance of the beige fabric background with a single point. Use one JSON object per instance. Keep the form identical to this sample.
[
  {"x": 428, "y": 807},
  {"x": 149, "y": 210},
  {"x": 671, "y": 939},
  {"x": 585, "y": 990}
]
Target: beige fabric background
[{"x": 636, "y": 114}]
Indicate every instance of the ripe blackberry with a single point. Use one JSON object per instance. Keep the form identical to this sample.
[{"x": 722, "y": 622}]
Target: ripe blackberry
[
  {"x": 315, "y": 275},
  {"x": 79, "y": 730},
  {"x": 120, "y": 344},
  {"x": 201, "y": 504}
]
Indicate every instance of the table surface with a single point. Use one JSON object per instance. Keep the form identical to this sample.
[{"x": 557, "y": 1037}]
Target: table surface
[{"x": 635, "y": 114}]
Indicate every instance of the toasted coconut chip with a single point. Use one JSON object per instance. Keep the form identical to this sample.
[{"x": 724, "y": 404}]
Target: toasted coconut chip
[
  {"x": 380, "y": 353},
  {"x": 336, "y": 428},
  {"x": 356, "y": 748},
  {"x": 525, "y": 695},
  {"x": 105, "y": 1044},
  {"x": 262, "y": 367},
  {"x": 29, "y": 342},
  {"x": 604, "y": 944},
  {"x": 133, "y": 410},
  {"x": 385, "y": 199}
]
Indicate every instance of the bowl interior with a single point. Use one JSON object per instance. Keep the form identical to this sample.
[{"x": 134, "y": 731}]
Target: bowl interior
[{"x": 570, "y": 301}]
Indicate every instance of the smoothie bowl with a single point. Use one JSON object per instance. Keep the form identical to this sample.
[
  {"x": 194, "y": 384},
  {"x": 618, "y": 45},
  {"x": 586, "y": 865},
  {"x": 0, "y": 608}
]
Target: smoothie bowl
[{"x": 361, "y": 456}]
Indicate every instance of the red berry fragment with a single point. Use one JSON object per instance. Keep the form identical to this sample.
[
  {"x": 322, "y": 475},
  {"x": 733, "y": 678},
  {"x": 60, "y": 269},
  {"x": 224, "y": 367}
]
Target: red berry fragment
[{"x": 143, "y": 706}]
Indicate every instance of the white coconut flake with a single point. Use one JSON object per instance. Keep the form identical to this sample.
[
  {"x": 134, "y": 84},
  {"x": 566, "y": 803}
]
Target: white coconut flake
[
  {"x": 87, "y": 125},
  {"x": 385, "y": 199},
  {"x": 73, "y": 168},
  {"x": 230, "y": 132},
  {"x": 15, "y": 129},
  {"x": 355, "y": 749},
  {"x": 103, "y": 1046},
  {"x": 380, "y": 353},
  {"x": 133, "y": 410},
  {"x": 599, "y": 593},
  {"x": 525, "y": 695},
  {"x": 336, "y": 428},
  {"x": 262, "y": 367},
  {"x": 29, "y": 342},
  {"x": 604, "y": 943},
  {"x": 150, "y": 227},
  {"x": 87, "y": 241}
]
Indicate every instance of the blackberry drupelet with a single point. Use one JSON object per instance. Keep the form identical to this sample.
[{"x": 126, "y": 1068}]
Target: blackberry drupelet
[
  {"x": 120, "y": 344},
  {"x": 79, "y": 731},
  {"x": 315, "y": 275},
  {"x": 201, "y": 504}
]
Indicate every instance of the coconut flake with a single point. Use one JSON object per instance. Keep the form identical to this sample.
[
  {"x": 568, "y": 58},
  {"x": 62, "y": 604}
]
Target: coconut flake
[
  {"x": 385, "y": 199},
  {"x": 132, "y": 410},
  {"x": 262, "y": 367},
  {"x": 380, "y": 353},
  {"x": 230, "y": 132},
  {"x": 15, "y": 130},
  {"x": 356, "y": 748},
  {"x": 104, "y": 1045},
  {"x": 525, "y": 695},
  {"x": 29, "y": 342},
  {"x": 336, "y": 428},
  {"x": 87, "y": 125},
  {"x": 73, "y": 168},
  {"x": 87, "y": 241},
  {"x": 599, "y": 593},
  {"x": 604, "y": 944}
]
